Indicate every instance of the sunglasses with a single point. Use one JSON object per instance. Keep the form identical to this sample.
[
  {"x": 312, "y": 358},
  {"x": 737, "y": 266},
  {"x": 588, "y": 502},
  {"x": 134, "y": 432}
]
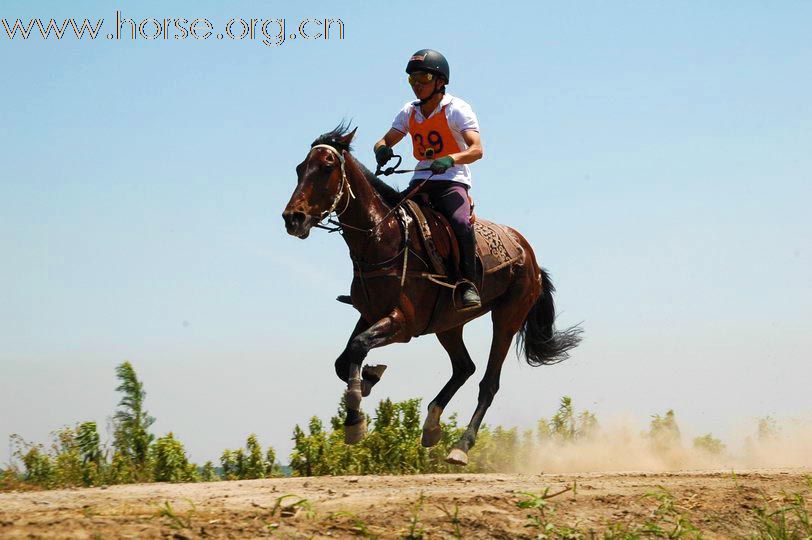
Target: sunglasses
[{"x": 421, "y": 77}]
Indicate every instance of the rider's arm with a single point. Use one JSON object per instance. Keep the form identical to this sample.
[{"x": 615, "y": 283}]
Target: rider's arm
[
  {"x": 391, "y": 138},
  {"x": 474, "y": 150}
]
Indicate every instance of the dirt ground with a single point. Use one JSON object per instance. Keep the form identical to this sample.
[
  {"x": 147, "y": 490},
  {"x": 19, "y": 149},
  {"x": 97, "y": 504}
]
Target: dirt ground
[{"x": 722, "y": 504}]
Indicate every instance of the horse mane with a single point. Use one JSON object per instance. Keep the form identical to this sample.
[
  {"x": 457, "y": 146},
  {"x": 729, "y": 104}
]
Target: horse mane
[{"x": 337, "y": 138}]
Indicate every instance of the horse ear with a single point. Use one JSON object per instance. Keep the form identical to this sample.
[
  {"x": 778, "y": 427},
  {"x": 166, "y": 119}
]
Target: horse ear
[{"x": 347, "y": 139}]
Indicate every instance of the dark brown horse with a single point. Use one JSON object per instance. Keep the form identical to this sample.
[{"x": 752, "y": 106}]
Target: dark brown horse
[{"x": 396, "y": 305}]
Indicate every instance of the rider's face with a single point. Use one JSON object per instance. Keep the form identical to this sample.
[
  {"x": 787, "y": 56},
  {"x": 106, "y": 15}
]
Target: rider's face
[{"x": 421, "y": 87}]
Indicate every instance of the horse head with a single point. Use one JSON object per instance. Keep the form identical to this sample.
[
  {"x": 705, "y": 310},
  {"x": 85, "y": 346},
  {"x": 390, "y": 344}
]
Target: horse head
[{"x": 321, "y": 182}]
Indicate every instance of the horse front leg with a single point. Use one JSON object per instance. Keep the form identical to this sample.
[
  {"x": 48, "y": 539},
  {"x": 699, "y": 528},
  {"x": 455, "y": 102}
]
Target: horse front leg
[
  {"x": 385, "y": 331},
  {"x": 370, "y": 375}
]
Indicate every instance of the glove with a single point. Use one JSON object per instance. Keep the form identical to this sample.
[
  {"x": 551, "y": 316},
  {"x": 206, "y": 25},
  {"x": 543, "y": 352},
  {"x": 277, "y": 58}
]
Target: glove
[
  {"x": 383, "y": 154},
  {"x": 441, "y": 165}
]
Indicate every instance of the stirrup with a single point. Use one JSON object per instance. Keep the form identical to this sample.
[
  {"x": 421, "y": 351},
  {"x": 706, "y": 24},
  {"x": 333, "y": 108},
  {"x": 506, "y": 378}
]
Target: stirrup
[
  {"x": 344, "y": 299},
  {"x": 466, "y": 287}
]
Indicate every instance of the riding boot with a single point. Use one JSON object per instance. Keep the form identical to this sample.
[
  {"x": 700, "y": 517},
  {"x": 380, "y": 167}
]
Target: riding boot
[{"x": 469, "y": 294}]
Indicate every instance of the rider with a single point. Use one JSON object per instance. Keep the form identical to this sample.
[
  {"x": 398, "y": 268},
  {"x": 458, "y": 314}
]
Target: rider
[{"x": 445, "y": 139}]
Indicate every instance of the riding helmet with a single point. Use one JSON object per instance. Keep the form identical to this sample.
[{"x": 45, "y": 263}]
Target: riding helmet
[{"x": 431, "y": 61}]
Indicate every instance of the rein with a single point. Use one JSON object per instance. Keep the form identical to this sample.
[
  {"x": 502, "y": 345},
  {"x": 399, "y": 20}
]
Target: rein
[{"x": 338, "y": 226}]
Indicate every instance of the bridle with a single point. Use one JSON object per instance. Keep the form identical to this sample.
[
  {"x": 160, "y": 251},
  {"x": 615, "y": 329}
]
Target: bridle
[{"x": 344, "y": 182}]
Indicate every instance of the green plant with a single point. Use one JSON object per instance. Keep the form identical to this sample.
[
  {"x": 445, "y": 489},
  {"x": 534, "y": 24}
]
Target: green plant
[
  {"x": 288, "y": 510},
  {"x": 668, "y": 520},
  {"x": 709, "y": 445},
  {"x": 175, "y": 520},
  {"x": 416, "y": 530},
  {"x": 562, "y": 425},
  {"x": 88, "y": 445},
  {"x": 207, "y": 473},
  {"x": 271, "y": 467},
  {"x": 664, "y": 432},
  {"x": 169, "y": 461},
  {"x": 358, "y": 524},
  {"x": 540, "y": 519},
  {"x": 453, "y": 518},
  {"x": 767, "y": 429},
  {"x": 132, "y": 422},
  {"x": 255, "y": 466},
  {"x": 789, "y": 521},
  {"x": 39, "y": 468}
]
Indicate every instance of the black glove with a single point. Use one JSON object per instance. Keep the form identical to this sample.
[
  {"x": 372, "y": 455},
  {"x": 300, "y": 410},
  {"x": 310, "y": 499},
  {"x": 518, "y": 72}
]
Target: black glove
[
  {"x": 383, "y": 154},
  {"x": 441, "y": 165}
]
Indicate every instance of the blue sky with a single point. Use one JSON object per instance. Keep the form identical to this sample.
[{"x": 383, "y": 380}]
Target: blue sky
[{"x": 655, "y": 155}]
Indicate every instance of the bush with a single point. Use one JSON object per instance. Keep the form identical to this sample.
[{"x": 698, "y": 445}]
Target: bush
[
  {"x": 709, "y": 444},
  {"x": 208, "y": 474},
  {"x": 663, "y": 432},
  {"x": 248, "y": 463},
  {"x": 169, "y": 461}
]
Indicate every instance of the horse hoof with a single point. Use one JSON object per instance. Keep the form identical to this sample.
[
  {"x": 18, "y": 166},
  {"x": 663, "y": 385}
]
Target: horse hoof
[
  {"x": 457, "y": 457},
  {"x": 355, "y": 433},
  {"x": 371, "y": 375},
  {"x": 431, "y": 436}
]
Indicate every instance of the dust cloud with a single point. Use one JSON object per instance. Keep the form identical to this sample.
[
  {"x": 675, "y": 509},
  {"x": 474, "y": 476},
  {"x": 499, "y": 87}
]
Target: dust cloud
[{"x": 622, "y": 446}]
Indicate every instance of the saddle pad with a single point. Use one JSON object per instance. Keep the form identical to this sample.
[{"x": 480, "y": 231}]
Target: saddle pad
[
  {"x": 437, "y": 250},
  {"x": 495, "y": 246}
]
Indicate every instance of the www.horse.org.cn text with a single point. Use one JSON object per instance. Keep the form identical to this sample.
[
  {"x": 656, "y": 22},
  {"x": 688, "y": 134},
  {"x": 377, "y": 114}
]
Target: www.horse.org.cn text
[{"x": 271, "y": 32}]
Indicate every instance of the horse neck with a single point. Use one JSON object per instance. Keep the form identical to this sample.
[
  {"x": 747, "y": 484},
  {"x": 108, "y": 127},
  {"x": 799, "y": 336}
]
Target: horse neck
[{"x": 380, "y": 234}]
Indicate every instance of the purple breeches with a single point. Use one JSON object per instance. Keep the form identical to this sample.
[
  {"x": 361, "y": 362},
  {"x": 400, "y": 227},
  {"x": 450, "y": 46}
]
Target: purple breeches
[{"x": 451, "y": 199}]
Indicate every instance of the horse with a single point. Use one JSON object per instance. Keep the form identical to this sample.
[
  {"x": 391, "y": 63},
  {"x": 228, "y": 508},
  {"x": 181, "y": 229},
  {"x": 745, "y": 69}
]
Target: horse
[{"x": 398, "y": 300}]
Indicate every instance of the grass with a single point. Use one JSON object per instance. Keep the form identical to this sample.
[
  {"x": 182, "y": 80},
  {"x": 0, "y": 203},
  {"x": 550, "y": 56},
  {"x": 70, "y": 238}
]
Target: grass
[
  {"x": 790, "y": 520},
  {"x": 290, "y": 510},
  {"x": 176, "y": 521},
  {"x": 667, "y": 520},
  {"x": 358, "y": 524},
  {"x": 453, "y": 518},
  {"x": 540, "y": 520},
  {"x": 416, "y": 530}
]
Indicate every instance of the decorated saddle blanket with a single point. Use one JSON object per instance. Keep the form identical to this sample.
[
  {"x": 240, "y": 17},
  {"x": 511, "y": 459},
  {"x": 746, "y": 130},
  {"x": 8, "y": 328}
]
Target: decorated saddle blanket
[{"x": 495, "y": 246}]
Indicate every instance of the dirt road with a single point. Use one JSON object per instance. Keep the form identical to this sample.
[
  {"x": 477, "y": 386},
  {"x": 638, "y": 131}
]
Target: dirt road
[{"x": 720, "y": 504}]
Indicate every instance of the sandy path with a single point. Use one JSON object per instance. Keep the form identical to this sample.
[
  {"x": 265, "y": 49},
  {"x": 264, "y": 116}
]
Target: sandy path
[{"x": 721, "y": 504}]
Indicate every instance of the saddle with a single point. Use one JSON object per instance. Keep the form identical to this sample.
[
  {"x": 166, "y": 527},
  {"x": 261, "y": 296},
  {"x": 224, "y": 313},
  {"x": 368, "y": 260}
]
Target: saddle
[{"x": 495, "y": 246}]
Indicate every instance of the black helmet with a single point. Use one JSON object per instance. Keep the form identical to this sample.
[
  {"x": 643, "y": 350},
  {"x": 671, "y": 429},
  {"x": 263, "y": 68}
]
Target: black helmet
[{"x": 431, "y": 61}]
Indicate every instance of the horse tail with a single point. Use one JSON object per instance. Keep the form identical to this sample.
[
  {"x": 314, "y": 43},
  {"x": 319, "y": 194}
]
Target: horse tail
[{"x": 538, "y": 339}]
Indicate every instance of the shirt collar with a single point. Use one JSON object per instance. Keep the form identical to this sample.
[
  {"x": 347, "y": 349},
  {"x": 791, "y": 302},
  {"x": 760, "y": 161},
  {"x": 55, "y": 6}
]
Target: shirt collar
[{"x": 443, "y": 102}]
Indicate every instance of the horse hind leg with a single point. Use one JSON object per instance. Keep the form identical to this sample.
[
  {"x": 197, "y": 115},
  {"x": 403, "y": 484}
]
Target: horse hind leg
[
  {"x": 462, "y": 367},
  {"x": 507, "y": 319}
]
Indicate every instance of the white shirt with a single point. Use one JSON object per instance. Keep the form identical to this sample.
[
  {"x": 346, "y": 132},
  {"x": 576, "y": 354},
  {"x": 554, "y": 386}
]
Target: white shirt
[{"x": 460, "y": 117}]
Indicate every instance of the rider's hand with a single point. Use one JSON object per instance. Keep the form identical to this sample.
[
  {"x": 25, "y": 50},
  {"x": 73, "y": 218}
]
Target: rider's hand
[
  {"x": 441, "y": 165},
  {"x": 383, "y": 154}
]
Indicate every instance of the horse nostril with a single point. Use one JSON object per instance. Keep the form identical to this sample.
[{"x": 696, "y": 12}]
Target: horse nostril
[{"x": 293, "y": 219}]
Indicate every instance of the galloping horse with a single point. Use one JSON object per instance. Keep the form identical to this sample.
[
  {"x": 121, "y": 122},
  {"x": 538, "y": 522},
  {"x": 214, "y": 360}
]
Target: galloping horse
[{"x": 397, "y": 299}]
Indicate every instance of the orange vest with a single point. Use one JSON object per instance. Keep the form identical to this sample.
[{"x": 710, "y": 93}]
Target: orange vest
[{"x": 432, "y": 138}]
